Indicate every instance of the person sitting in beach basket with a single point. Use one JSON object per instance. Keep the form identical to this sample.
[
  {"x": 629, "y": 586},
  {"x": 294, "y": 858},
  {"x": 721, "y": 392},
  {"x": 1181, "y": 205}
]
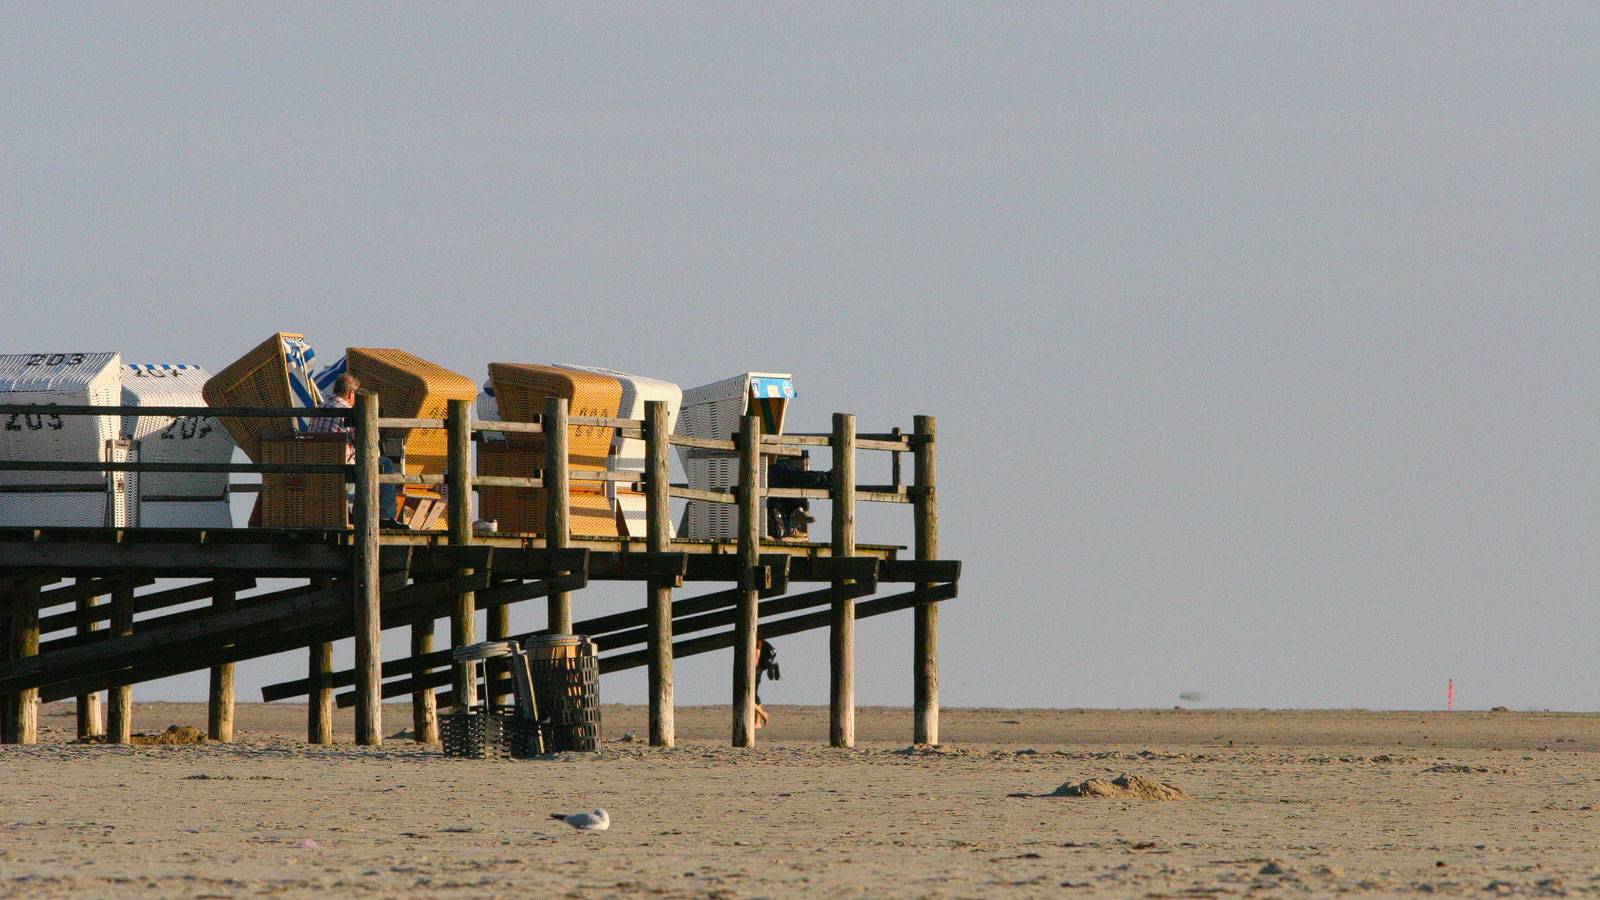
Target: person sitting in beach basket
[
  {"x": 787, "y": 517},
  {"x": 766, "y": 664},
  {"x": 343, "y": 396}
]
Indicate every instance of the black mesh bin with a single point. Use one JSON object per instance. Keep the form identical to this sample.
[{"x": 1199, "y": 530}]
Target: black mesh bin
[{"x": 566, "y": 681}]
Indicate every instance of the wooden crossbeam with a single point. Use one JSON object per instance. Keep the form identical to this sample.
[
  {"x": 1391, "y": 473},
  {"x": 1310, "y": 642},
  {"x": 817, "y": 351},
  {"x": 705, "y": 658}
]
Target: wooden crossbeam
[
  {"x": 143, "y": 603},
  {"x": 780, "y": 628},
  {"x": 84, "y": 590}
]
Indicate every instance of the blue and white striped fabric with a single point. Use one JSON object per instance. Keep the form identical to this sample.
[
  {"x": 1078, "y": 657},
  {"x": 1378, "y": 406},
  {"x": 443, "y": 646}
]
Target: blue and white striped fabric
[
  {"x": 771, "y": 387},
  {"x": 302, "y": 385},
  {"x": 326, "y": 376},
  {"x": 158, "y": 369}
]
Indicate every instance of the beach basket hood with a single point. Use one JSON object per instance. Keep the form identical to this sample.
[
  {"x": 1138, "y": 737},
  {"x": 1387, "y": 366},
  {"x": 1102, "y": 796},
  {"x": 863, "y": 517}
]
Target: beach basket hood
[
  {"x": 62, "y": 379},
  {"x": 177, "y": 499},
  {"x": 276, "y": 373}
]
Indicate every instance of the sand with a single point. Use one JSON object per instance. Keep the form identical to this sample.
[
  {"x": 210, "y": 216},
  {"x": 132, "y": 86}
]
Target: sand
[{"x": 1279, "y": 803}]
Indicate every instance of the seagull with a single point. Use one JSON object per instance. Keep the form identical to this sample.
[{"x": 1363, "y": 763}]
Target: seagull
[{"x": 586, "y": 821}]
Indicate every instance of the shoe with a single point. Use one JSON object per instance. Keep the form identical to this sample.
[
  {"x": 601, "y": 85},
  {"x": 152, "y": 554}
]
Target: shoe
[
  {"x": 804, "y": 516},
  {"x": 384, "y": 524}
]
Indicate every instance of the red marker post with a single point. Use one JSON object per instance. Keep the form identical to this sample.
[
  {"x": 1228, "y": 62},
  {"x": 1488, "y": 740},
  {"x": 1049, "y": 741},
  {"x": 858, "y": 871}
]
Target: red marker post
[{"x": 1450, "y": 694}]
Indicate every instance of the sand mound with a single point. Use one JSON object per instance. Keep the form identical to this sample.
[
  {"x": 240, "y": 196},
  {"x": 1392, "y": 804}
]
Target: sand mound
[
  {"x": 1126, "y": 787},
  {"x": 175, "y": 734}
]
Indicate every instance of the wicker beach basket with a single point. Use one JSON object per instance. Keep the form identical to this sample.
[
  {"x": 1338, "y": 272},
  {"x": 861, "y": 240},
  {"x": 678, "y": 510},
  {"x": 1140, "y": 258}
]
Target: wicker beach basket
[
  {"x": 522, "y": 510},
  {"x": 628, "y": 453},
  {"x": 410, "y": 387},
  {"x": 521, "y": 391},
  {"x": 304, "y": 500},
  {"x": 277, "y": 373},
  {"x": 84, "y": 499},
  {"x": 713, "y": 411}
]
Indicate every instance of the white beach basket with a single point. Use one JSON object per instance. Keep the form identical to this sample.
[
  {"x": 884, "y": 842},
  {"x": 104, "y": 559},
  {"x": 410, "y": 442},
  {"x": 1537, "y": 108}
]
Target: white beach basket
[
  {"x": 62, "y": 379},
  {"x": 713, "y": 411},
  {"x": 178, "y": 499}
]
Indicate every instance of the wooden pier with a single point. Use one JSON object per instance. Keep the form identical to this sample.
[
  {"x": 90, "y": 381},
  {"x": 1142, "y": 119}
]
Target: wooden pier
[{"x": 58, "y": 641}]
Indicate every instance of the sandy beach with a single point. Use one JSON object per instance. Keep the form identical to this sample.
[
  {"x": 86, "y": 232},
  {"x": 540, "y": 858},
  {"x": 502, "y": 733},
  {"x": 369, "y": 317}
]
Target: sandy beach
[{"x": 1281, "y": 802}]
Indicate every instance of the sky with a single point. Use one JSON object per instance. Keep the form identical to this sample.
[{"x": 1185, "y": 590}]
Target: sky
[{"x": 1262, "y": 337}]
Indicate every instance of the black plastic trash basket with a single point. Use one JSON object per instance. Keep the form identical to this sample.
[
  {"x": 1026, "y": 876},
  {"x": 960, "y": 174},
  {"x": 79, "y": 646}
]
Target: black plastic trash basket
[
  {"x": 566, "y": 682},
  {"x": 499, "y": 734}
]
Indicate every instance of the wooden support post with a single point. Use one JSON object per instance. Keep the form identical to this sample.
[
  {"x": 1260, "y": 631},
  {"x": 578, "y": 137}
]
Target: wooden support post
[
  {"x": 6, "y": 719},
  {"x": 365, "y": 582},
  {"x": 842, "y": 634},
  {"x": 658, "y": 536},
  {"x": 458, "y": 481},
  {"x": 319, "y": 673},
  {"x": 22, "y": 712},
  {"x": 558, "y": 505},
  {"x": 424, "y": 705},
  {"x": 745, "y": 639},
  {"x": 119, "y": 705},
  {"x": 91, "y": 717},
  {"x": 320, "y": 702},
  {"x": 219, "y": 709},
  {"x": 925, "y": 638},
  {"x": 498, "y": 628}
]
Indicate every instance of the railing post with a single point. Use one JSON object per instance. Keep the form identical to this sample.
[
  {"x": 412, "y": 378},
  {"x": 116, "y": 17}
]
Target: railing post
[
  {"x": 925, "y": 639},
  {"x": 365, "y": 582},
  {"x": 119, "y": 705},
  {"x": 745, "y": 618},
  {"x": 219, "y": 708},
  {"x": 91, "y": 717},
  {"x": 458, "y": 484},
  {"x": 658, "y": 535},
  {"x": 842, "y": 634},
  {"x": 558, "y": 508},
  {"x": 22, "y": 712}
]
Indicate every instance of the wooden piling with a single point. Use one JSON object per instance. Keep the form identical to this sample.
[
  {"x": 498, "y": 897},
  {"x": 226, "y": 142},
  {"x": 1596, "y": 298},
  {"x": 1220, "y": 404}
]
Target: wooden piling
[
  {"x": 22, "y": 712},
  {"x": 658, "y": 531},
  {"x": 6, "y": 697},
  {"x": 925, "y": 636},
  {"x": 424, "y": 704},
  {"x": 219, "y": 708},
  {"x": 119, "y": 705},
  {"x": 365, "y": 582},
  {"x": 745, "y": 639},
  {"x": 842, "y": 633},
  {"x": 558, "y": 505},
  {"x": 458, "y": 482},
  {"x": 498, "y": 628},
  {"x": 320, "y": 700},
  {"x": 91, "y": 716}
]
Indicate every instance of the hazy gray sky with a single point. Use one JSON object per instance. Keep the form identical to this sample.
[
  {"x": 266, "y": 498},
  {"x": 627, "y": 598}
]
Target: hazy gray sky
[{"x": 1262, "y": 337}]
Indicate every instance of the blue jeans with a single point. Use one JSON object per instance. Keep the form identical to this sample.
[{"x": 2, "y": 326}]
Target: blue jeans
[{"x": 388, "y": 494}]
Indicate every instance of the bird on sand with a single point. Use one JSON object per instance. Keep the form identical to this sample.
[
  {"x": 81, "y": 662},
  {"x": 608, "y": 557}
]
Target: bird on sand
[{"x": 585, "y": 821}]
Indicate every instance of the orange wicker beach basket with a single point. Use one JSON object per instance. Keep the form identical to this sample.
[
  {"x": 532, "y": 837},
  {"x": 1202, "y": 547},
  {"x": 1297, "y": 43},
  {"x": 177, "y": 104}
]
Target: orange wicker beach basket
[
  {"x": 410, "y": 387},
  {"x": 522, "y": 510},
  {"x": 521, "y": 390},
  {"x": 304, "y": 500},
  {"x": 259, "y": 378}
]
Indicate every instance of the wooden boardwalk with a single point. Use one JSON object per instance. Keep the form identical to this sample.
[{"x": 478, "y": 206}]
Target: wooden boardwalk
[{"x": 63, "y": 639}]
